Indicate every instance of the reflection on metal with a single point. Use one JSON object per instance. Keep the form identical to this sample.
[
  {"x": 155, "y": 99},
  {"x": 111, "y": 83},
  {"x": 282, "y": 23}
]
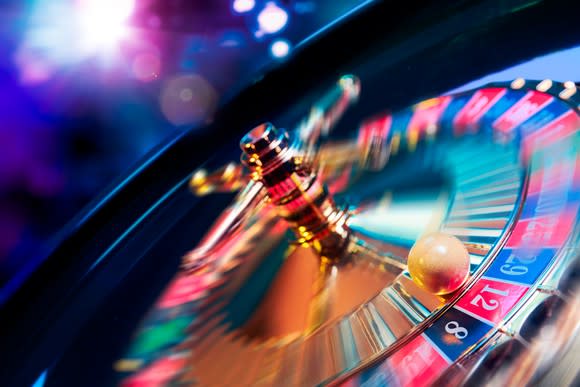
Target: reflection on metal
[
  {"x": 545, "y": 85},
  {"x": 296, "y": 191},
  {"x": 323, "y": 116},
  {"x": 567, "y": 92},
  {"x": 228, "y": 178},
  {"x": 228, "y": 224},
  {"x": 569, "y": 85},
  {"x": 518, "y": 83}
]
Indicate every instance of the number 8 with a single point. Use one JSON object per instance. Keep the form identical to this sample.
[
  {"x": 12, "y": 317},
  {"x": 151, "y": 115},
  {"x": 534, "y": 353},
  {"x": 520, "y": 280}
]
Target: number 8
[{"x": 453, "y": 328}]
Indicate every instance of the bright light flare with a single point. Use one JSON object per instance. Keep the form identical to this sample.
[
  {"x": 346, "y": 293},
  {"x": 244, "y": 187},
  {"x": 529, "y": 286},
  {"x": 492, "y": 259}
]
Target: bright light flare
[
  {"x": 65, "y": 32},
  {"x": 272, "y": 18},
  {"x": 280, "y": 48},
  {"x": 102, "y": 23},
  {"x": 242, "y": 6}
]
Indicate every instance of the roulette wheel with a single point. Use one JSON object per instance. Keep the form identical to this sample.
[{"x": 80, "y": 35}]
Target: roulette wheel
[{"x": 344, "y": 220}]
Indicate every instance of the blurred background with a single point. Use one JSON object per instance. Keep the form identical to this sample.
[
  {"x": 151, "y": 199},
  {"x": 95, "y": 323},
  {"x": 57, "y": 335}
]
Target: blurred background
[{"x": 87, "y": 87}]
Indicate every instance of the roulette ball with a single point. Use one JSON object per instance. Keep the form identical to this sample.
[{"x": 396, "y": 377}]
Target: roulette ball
[{"x": 346, "y": 219}]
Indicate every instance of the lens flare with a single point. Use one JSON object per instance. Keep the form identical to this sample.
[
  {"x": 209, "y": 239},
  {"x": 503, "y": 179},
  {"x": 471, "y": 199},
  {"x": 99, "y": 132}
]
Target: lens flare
[
  {"x": 188, "y": 99},
  {"x": 242, "y": 6},
  {"x": 280, "y": 48},
  {"x": 102, "y": 23},
  {"x": 61, "y": 33},
  {"x": 272, "y": 18},
  {"x": 146, "y": 66}
]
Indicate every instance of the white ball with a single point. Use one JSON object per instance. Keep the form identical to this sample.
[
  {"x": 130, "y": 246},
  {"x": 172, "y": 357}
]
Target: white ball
[{"x": 439, "y": 263}]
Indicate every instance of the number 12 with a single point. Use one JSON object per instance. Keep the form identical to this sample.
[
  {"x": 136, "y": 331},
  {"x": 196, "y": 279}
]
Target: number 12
[{"x": 488, "y": 304}]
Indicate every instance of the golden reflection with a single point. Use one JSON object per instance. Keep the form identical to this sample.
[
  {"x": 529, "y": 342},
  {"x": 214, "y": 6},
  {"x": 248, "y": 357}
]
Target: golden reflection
[{"x": 309, "y": 292}]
